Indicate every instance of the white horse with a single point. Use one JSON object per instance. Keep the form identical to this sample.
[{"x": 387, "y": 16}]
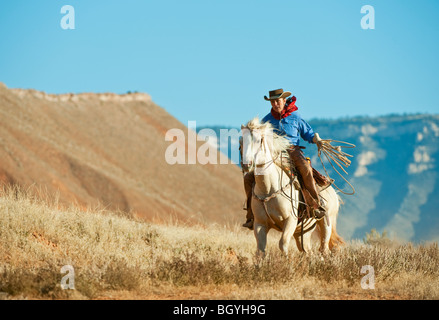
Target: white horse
[{"x": 275, "y": 201}]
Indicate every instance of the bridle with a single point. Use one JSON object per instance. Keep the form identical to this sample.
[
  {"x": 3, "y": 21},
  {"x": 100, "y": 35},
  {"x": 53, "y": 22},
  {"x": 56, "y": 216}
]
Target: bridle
[
  {"x": 262, "y": 143},
  {"x": 270, "y": 162},
  {"x": 265, "y": 199}
]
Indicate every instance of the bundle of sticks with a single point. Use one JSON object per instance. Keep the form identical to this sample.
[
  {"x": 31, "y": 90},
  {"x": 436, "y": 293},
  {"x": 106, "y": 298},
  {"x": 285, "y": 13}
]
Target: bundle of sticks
[{"x": 334, "y": 154}]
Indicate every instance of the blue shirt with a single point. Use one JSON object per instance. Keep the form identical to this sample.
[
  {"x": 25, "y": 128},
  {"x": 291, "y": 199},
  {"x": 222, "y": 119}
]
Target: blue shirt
[{"x": 293, "y": 127}]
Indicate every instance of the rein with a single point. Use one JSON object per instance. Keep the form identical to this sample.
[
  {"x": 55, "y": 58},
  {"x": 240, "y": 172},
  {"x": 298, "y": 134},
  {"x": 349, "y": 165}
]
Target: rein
[
  {"x": 264, "y": 201},
  {"x": 268, "y": 162}
]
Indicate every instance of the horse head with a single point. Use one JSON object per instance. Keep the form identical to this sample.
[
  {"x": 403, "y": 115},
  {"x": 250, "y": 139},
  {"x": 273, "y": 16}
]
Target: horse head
[
  {"x": 260, "y": 146},
  {"x": 256, "y": 146}
]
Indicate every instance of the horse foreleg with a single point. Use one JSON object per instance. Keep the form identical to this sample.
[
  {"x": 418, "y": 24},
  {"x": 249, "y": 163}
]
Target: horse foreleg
[
  {"x": 261, "y": 232},
  {"x": 288, "y": 230}
]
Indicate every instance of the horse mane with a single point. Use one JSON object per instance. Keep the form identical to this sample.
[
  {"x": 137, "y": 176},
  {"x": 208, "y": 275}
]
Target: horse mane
[{"x": 280, "y": 142}]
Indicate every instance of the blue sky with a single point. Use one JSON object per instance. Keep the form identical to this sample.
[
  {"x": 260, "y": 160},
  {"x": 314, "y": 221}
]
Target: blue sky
[{"x": 213, "y": 61}]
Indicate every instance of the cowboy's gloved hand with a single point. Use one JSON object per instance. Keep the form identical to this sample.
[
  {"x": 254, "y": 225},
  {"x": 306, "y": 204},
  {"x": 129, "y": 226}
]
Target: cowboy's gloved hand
[{"x": 318, "y": 141}]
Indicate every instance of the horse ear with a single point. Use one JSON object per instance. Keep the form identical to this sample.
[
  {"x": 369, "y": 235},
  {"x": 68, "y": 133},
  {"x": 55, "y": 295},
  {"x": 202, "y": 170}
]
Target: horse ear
[{"x": 242, "y": 126}]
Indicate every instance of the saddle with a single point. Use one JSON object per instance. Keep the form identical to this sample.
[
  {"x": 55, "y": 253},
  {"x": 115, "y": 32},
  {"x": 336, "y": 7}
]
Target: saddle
[{"x": 320, "y": 179}]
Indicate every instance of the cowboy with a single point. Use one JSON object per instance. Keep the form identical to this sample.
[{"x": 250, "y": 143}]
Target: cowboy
[{"x": 288, "y": 122}]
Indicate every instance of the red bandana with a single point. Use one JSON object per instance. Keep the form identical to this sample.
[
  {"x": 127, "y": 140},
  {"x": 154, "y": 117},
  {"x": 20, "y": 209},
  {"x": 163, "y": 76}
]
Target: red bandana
[{"x": 290, "y": 107}]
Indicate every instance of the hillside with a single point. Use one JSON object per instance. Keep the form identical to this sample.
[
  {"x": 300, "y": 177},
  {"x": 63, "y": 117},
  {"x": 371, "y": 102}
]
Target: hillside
[
  {"x": 395, "y": 175},
  {"x": 394, "y": 172},
  {"x": 109, "y": 150}
]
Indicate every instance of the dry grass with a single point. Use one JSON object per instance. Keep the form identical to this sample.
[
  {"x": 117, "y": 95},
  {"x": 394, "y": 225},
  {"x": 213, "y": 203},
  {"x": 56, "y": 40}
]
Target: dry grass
[{"x": 118, "y": 257}]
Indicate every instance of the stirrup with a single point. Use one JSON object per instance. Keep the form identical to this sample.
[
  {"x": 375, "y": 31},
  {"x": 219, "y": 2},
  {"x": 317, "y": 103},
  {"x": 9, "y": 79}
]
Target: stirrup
[
  {"x": 248, "y": 224},
  {"x": 319, "y": 213}
]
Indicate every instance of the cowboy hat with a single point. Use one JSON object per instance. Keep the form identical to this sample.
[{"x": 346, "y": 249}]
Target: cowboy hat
[{"x": 277, "y": 94}]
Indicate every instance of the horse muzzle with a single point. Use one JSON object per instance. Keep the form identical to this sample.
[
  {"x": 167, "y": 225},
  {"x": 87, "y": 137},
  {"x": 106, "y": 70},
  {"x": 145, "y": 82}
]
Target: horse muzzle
[{"x": 247, "y": 166}]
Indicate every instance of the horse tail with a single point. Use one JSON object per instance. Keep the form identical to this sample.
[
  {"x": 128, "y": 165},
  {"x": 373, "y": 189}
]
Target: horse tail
[{"x": 335, "y": 241}]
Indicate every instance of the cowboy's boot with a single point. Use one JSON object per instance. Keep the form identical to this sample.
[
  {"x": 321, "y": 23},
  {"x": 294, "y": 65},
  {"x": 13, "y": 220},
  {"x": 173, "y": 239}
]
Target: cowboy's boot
[
  {"x": 316, "y": 209},
  {"x": 248, "y": 185},
  {"x": 248, "y": 224},
  {"x": 320, "y": 212}
]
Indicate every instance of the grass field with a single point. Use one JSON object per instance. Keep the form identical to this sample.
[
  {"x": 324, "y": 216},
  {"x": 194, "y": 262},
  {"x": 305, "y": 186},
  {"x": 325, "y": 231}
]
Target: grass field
[{"x": 115, "y": 256}]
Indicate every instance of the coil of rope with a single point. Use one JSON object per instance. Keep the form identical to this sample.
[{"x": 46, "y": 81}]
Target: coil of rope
[{"x": 335, "y": 155}]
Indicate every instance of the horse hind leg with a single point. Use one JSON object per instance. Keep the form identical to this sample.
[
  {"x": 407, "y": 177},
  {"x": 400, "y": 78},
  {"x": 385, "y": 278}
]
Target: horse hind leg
[{"x": 324, "y": 229}]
